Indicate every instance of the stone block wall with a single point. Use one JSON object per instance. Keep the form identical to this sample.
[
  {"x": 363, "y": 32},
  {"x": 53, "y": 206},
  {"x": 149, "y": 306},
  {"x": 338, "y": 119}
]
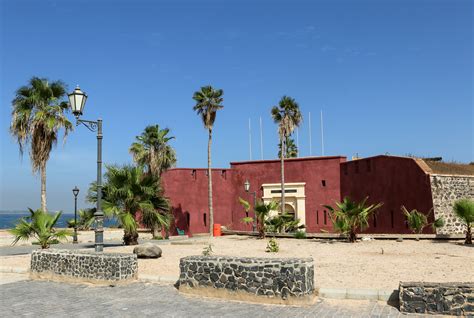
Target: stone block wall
[
  {"x": 446, "y": 189},
  {"x": 437, "y": 298},
  {"x": 277, "y": 278},
  {"x": 84, "y": 266}
]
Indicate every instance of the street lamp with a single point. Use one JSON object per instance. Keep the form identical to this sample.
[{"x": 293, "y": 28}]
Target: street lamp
[
  {"x": 75, "y": 191},
  {"x": 247, "y": 189},
  {"x": 77, "y": 99}
]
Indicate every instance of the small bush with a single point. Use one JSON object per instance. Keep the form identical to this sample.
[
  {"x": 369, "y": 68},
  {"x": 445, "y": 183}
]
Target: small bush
[
  {"x": 207, "y": 251},
  {"x": 272, "y": 246},
  {"x": 299, "y": 235},
  {"x": 54, "y": 241}
]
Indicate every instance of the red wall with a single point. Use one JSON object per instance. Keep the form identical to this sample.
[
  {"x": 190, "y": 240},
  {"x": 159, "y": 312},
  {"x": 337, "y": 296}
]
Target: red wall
[
  {"x": 309, "y": 170},
  {"x": 395, "y": 181},
  {"x": 187, "y": 190}
]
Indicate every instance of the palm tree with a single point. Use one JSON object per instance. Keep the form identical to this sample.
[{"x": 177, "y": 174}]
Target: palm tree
[
  {"x": 208, "y": 102},
  {"x": 152, "y": 151},
  {"x": 351, "y": 216},
  {"x": 40, "y": 225},
  {"x": 37, "y": 116},
  {"x": 127, "y": 192},
  {"x": 417, "y": 220},
  {"x": 464, "y": 209},
  {"x": 290, "y": 147},
  {"x": 162, "y": 219},
  {"x": 262, "y": 211},
  {"x": 288, "y": 116}
]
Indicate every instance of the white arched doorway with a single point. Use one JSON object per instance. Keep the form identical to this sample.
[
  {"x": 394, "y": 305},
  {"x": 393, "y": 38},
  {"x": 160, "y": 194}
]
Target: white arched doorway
[{"x": 294, "y": 198}]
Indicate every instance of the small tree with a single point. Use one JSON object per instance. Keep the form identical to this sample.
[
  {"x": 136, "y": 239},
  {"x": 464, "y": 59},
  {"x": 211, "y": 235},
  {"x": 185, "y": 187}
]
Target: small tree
[
  {"x": 262, "y": 211},
  {"x": 284, "y": 223},
  {"x": 464, "y": 209},
  {"x": 85, "y": 221},
  {"x": 128, "y": 192},
  {"x": 349, "y": 217},
  {"x": 417, "y": 221},
  {"x": 39, "y": 225}
]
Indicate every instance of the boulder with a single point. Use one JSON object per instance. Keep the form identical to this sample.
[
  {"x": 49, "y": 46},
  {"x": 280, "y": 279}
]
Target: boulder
[{"x": 147, "y": 250}]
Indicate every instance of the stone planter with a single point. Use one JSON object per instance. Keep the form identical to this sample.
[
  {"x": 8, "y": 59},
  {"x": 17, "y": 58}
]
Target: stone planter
[
  {"x": 437, "y": 298},
  {"x": 272, "y": 280},
  {"x": 81, "y": 266}
]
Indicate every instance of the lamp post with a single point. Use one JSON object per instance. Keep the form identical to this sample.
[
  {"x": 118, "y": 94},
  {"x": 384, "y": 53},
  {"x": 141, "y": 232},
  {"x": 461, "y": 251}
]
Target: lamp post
[
  {"x": 75, "y": 191},
  {"x": 77, "y": 99},
  {"x": 247, "y": 189}
]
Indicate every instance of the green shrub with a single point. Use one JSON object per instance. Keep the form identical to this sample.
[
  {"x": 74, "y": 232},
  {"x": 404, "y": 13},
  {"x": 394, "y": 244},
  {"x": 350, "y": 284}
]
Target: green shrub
[
  {"x": 464, "y": 209},
  {"x": 207, "y": 251},
  {"x": 299, "y": 234},
  {"x": 417, "y": 221},
  {"x": 350, "y": 217},
  {"x": 54, "y": 241},
  {"x": 39, "y": 225},
  {"x": 272, "y": 246}
]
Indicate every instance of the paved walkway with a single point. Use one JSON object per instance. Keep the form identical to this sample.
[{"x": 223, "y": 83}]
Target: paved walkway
[{"x": 50, "y": 299}]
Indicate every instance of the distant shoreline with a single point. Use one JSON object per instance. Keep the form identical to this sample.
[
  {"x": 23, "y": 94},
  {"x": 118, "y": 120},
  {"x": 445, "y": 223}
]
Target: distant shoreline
[{"x": 8, "y": 220}]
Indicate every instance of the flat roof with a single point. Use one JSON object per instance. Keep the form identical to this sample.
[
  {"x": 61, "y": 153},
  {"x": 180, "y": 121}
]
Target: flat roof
[
  {"x": 288, "y": 159},
  {"x": 455, "y": 168}
]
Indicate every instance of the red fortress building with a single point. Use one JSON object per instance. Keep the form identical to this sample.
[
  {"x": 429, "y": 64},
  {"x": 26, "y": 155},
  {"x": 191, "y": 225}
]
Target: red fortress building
[{"x": 311, "y": 183}]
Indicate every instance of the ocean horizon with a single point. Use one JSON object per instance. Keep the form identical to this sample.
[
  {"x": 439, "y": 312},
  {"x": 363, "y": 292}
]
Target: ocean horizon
[{"x": 8, "y": 219}]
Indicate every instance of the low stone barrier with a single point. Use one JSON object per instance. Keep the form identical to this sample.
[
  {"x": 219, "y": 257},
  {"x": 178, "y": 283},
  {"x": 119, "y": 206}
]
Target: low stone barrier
[
  {"x": 437, "y": 298},
  {"x": 83, "y": 266},
  {"x": 273, "y": 280}
]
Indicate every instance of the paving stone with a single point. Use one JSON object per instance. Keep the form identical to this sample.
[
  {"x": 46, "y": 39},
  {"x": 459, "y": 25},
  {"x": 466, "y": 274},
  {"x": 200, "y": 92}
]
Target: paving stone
[{"x": 27, "y": 298}]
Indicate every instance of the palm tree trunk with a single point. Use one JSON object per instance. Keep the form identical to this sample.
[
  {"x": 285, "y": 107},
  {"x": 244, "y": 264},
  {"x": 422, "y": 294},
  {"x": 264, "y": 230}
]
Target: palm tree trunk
[
  {"x": 282, "y": 168},
  {"x": 468, "y": 235},
  {"x": 209, "y": 176},
  {"x": 352, "y": 236},
  {"x": 155, "y": 231},
  {"x": 43, "y": 186}
]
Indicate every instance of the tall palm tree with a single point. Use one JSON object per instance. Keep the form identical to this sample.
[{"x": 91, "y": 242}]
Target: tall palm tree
[
  {"x": 288, "y": 116},
  {"x": 290, "y": 147},
  {"x": 128, "y": 191},
  {"x": 37, "y": 117},
  {"x": 208, "y": 102},
  {"x": 152, "y": 151}
]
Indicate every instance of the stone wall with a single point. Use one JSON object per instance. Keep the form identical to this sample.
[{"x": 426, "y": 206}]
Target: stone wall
[
  {"x": 280, "y": 279},
  {"x": 83, "y": 266},
  {"x": 437, "y": 298},
  {"x": 446, "y": 189}
]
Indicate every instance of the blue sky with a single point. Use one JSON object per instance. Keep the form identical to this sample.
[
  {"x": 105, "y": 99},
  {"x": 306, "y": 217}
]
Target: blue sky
[{"x": 390, "y": 76}]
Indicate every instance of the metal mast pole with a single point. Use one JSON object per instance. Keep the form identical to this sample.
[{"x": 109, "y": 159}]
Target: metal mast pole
[
  {"x": 250, "y": 141},
  {"x": 261, "y": 140},
  {"x": 310, "y": 141},
  {"x": 99, "y": 215},
  {"x": 322, "y": 134}
]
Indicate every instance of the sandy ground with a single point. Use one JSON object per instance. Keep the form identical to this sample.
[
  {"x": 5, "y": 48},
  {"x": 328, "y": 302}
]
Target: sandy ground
[{"x": 377, "y": 264}]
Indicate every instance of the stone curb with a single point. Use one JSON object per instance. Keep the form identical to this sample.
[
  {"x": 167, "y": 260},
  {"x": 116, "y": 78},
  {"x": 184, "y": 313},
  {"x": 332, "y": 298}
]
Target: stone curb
[
  {"x": 17, "y": 270},
  {"x": 157, "y": 279},
  {"x": 359, "y": 294}
]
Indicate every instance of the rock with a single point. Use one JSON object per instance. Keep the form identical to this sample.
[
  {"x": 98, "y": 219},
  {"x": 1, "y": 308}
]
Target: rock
[
  {"x": 147, "y": 250},
  {"x": 400, "y": 239}
]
